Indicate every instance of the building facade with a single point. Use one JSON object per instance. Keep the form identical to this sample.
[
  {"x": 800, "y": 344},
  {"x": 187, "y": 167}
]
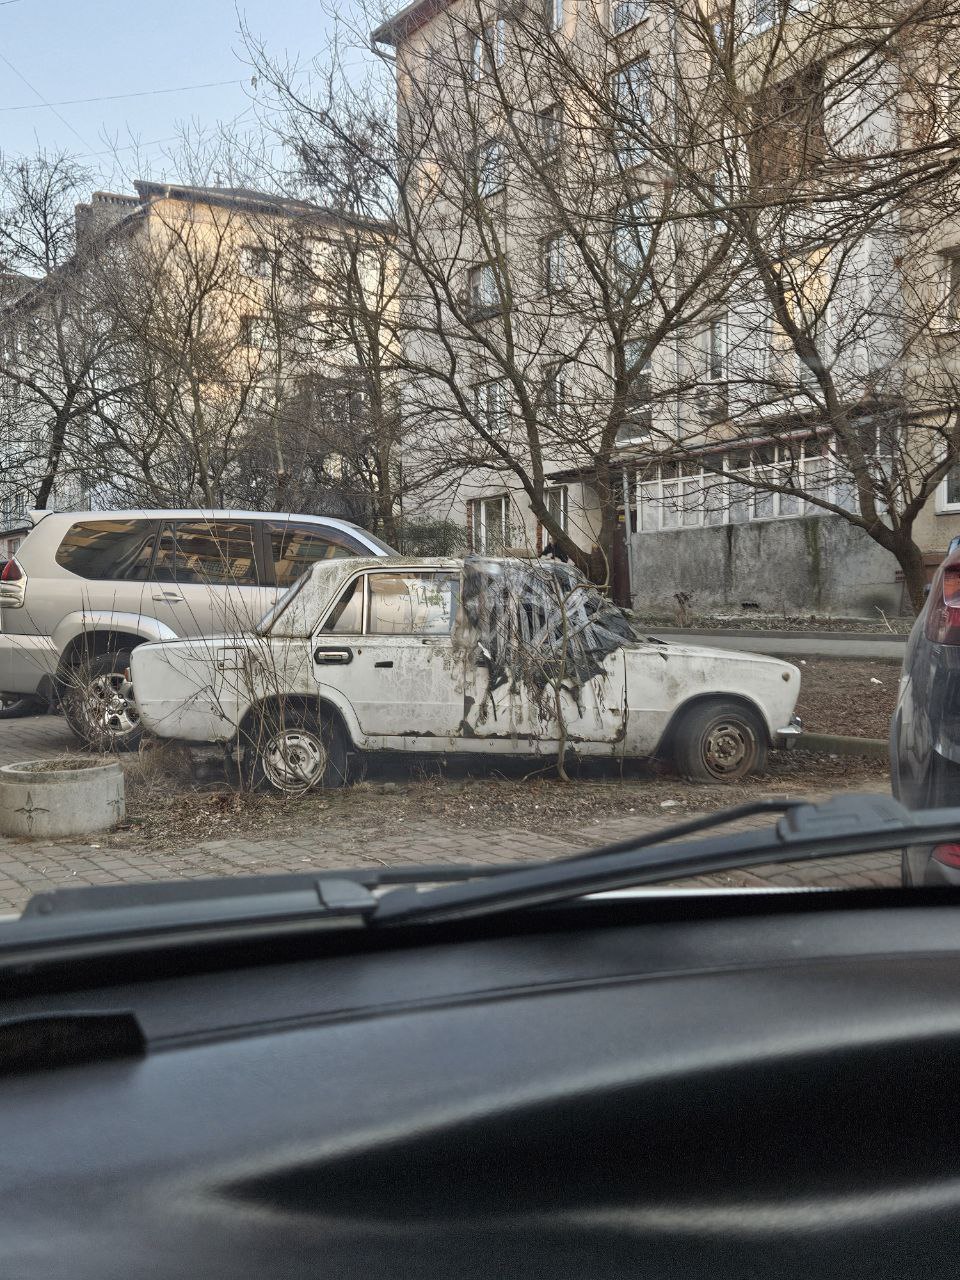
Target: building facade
[{"x": 699, "y": 289}]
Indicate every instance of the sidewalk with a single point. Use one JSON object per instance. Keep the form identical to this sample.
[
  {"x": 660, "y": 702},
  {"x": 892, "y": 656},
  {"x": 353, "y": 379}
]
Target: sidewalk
[{"x": 27, "y": 868}]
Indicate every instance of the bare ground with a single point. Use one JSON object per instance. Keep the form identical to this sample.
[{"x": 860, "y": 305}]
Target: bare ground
[
  {"x": 163, "y": 813},
  {"x": 881, "y": 624},
  {"x": 855, "y": 699}
]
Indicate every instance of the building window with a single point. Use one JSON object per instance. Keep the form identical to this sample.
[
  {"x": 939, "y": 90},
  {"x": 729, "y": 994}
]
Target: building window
[
  {"x": 718, "y": 344},
  {"x": 625, "y": 14},
  {"x": 631, "y": 239},
  {"x": 554, "y": 263},
  {"x": 489, "y": 48},
  {"x": 631, "y": 101},
  {"x": 550, "y": 130},
  {"x": 491, "y": 168},
  {"x": 788, "y": 138},
  {"x": 556, "y": 500},
  {"x": 638, "y": 402},
  {"x": 257, "y": 262},
  {"x": 554, "y": 387},
  {"x": 724, "y": 490},
  {"x": 482, "y": 294},
  {"x": 553, "y": 15},
  {"x": 719, "y": 201},
  {"x": 763, "y": 14},
  {"x": 256, "y": 332},
  {"x": 491, "y": 525},
  {"x": 490, "y": 405},
  {"x": 949, "y": 493},
  {"x": 952, "y": 273}
]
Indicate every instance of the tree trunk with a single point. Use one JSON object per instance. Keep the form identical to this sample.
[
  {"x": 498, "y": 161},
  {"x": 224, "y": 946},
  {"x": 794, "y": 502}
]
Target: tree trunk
[
  {"x": 910, "y": 559},
  {"x": 54, "y": 454}
]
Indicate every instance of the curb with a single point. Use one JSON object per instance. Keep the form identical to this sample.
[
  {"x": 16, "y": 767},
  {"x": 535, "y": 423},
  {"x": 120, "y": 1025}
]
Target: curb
[{"x": 835, "y": 744}]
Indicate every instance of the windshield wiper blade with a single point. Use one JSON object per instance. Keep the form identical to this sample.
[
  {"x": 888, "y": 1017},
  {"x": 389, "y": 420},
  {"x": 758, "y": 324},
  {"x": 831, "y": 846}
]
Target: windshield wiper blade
[{"x": 841, "y": 826}]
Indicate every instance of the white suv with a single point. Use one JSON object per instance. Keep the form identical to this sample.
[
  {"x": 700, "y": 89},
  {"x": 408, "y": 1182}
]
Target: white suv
[{"x": 85, "y": 588}]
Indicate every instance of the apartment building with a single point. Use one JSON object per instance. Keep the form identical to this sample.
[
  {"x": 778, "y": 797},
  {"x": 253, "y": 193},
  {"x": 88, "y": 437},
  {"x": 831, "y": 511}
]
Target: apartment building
[
  {"x": 196, "y": 347},
  {"x": 702, "y": 288}
]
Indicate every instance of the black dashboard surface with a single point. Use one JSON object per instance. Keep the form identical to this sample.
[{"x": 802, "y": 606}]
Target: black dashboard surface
[{"x": 768, "y": 1093}]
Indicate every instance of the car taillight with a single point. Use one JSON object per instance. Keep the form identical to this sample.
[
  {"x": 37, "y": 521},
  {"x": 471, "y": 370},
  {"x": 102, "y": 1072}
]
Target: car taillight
[
  {"x": 943, "y": 617},
  {"x": 11, "y": 572},
  {"x": 947, "y": 854}
]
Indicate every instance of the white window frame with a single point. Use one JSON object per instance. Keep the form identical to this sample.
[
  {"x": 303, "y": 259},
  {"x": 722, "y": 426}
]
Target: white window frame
[
  {"x": 633, "y": 430},
  {"x": 555, "y": 387},
  {"x": 491, "y": 164},
  {"x": 480, "y": 523},
  {"x": 631, "y": 87},
  {"x": 562, "y": 495},
  {"x": 482, "y": 294},
  {"x": 654, "y": 490},
  {"x": 717, "y": 349},
  {"x": 489, "y": 49},
  {"x": 636, "y": 11},
  {"x": 553, "y": 15},
  {"x": 554, "y": 262},
  {"x": 951, "y": 272},
  {"x": 490, "y": 402},
  {"x": 550, "y": 130},
  {"x": 943, "y": 505},
  {"x": 633, "y": 235}
]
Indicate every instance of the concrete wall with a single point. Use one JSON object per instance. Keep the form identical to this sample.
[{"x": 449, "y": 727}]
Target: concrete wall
[{"x": 818, "y": 564}]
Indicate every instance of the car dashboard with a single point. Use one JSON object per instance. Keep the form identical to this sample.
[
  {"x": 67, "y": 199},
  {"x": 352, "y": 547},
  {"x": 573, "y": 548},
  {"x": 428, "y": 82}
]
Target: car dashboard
[{"x": 671, "y": 1087}]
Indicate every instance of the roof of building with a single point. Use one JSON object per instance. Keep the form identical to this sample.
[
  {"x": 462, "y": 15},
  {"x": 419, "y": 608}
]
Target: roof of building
[{"x": 407, "y": 20}]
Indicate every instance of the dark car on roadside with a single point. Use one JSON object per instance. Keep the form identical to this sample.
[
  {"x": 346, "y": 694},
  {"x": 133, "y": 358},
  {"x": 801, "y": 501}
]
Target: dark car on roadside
[{"x": 925, "y": 729}]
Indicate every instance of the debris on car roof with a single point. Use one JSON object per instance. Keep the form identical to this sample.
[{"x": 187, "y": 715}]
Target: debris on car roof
[{"x": 539, "y": 623}]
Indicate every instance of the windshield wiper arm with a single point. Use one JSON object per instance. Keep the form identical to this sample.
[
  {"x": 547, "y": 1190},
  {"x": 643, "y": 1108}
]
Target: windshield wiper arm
[{"x": 841, "y": 826}]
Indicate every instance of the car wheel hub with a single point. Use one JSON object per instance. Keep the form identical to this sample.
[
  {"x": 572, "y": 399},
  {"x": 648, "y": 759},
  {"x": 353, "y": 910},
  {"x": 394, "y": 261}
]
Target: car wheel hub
[
  {"x": 294, "y": 761},
  {"x": 110, "y": 707},
  {"x": 726, "y": 749}
]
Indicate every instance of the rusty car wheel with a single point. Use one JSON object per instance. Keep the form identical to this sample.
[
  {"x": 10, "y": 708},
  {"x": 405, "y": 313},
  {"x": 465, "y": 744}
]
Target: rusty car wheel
[{"x": 720, "y": 742}]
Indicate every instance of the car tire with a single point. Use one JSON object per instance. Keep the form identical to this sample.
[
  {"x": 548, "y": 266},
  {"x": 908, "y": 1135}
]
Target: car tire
[
  {"x": 15, "y": 705},
  {"x": 97, "y": 703},
  {"x": 294, "y": 750},
  {"x": 719, "y": 741}
]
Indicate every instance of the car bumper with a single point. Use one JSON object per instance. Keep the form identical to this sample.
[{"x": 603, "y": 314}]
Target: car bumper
[
  {"x": 786, "y": 737},
  {"x": 26, "y": 662}
]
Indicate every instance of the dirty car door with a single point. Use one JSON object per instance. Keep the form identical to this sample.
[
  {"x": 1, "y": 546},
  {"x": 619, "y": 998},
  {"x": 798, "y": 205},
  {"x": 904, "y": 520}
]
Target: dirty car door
[
  {"x": 546, "y": 659},
  {"x": 387, "y": 646}
]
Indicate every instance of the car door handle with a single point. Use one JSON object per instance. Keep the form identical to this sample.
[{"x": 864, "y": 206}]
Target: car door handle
[
  {"x": 383, "y": 664},
  {"x": 168, "y": 597},
  {"x": 330, "y": 656}
]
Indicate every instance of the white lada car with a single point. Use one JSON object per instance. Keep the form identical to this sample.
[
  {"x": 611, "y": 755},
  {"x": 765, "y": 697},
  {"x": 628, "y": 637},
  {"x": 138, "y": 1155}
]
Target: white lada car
[{"x": 475, "y": 656}]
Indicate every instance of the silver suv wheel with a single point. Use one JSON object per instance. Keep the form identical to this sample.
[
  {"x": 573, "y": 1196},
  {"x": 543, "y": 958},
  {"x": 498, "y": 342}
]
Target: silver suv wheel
[{"x": 98, "y": 703}]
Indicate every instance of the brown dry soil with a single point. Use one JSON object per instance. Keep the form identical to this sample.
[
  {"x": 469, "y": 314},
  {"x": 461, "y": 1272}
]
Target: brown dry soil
[
  {"x": 168, "y": 808},
  {"x": 159, "y": 816},
  {"x": 889, "y": 626},
  {"x": 855, "y": 699}
]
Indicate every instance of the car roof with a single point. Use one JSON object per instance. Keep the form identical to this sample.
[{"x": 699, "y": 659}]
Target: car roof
[{"x": 192, "y": 513}]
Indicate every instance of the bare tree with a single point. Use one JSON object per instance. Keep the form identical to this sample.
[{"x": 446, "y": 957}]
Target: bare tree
[
  {"x": 716, "y": 233},
  {"x": 57, "y": 342}
]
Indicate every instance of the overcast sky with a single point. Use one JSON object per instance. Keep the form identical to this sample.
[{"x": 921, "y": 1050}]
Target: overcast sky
[{"x": 63, "y": 50}]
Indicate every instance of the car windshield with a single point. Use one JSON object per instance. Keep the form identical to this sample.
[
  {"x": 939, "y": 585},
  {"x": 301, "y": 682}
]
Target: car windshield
[{"x": 396, "y": 467}]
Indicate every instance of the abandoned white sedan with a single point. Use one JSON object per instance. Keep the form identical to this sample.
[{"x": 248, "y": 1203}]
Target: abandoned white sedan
[{"x": 478, "y": 655}]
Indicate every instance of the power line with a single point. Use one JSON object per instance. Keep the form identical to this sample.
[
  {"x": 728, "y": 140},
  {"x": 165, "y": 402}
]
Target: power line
[
  {"x": 20, "y": 76},
  {"x": 114, "y": 97}
]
